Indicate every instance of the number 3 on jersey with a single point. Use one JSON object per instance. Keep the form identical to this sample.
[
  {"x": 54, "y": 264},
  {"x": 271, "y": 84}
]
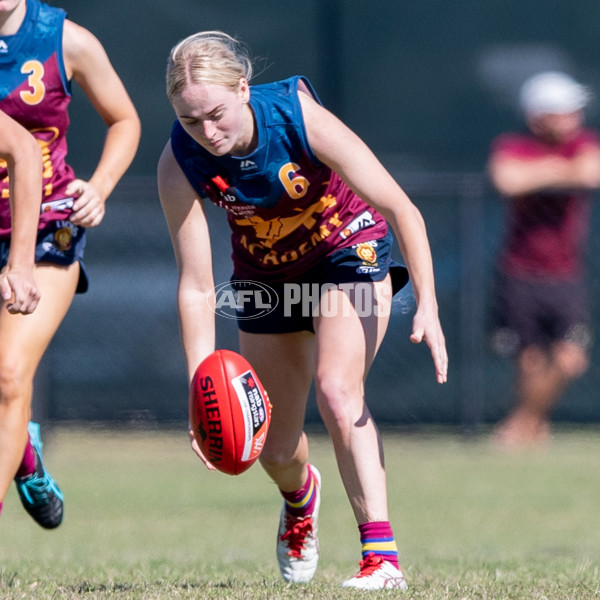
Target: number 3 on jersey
[
  {"x": 35, "y": 70},
  {"x": 295, "y": 185}
]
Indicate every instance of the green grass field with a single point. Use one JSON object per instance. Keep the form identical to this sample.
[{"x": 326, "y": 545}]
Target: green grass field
[{"x": 145, "y": 520}]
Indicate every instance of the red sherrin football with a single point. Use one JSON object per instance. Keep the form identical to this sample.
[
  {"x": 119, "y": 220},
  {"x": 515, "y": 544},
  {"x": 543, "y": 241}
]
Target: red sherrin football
[{"x": 230, "y": 411}]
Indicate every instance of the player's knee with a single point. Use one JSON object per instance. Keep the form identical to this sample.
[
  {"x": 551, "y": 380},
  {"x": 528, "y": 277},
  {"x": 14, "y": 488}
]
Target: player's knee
[
  {"x": 573, "y": 361},
  {"x": 11, "y": 380},
  {"x": 275, "y": 459},
  {"x": 533, "y": 359},
  {"x": 339, "y": 400}
]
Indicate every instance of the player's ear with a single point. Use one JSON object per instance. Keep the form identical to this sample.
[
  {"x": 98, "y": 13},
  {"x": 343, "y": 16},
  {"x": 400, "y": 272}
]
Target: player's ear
[{"x": 244, "y": 90}]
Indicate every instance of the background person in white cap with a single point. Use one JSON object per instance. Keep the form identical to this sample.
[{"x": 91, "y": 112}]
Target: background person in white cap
[{"x": 541, "y": 306}]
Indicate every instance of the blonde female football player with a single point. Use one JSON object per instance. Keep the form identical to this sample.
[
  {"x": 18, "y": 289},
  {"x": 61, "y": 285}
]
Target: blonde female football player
[
  {"x": 307, "y": 203},
  {"x": 43, "y": 53}
]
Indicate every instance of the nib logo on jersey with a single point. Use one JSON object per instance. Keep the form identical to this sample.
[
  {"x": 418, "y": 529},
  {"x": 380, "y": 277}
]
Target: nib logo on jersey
[
  {"x": 364, "y": 220},
  {"x": 254, "y": 409}
]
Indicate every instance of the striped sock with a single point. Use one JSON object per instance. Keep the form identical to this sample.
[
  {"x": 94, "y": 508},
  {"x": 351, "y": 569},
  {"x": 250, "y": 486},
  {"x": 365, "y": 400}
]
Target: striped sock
[
  {"x": 301, "y": 503},
  {"x": 27, "y": 466},
  {"x": 377, "y": 538}
]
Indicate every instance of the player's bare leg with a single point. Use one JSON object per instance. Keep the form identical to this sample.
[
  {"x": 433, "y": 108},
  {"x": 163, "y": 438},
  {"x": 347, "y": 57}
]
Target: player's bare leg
[
  {"x": 23, "y": 341},
  {"x": 347, "y": 342},
  {"x": 284, "y": 364},
  {"x": 542, "y": 378},
  {"x": 346, "y": 346}
]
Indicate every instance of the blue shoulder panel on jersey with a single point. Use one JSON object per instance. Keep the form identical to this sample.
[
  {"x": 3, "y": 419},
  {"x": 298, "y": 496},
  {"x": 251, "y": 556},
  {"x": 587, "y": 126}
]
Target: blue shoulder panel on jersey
[{"x": 42, "y": 22}]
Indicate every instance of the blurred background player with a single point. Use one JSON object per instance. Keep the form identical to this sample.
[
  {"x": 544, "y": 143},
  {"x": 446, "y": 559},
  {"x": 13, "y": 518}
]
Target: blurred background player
[
  {"x": 41, "y": 53},
  {"x": 541, "y": 306},
  {"x": 307, "y": 202}
]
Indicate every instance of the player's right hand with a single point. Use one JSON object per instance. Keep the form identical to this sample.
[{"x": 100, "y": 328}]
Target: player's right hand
[
  {"x": 19, "y": 291},
  {"x": 196, "y": 449}
]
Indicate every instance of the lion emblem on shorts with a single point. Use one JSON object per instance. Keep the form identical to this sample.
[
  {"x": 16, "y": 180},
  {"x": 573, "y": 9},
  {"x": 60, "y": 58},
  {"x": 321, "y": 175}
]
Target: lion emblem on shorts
[
  {"x": 63, "y": 238},
  {"x": 366, "y": 252}
]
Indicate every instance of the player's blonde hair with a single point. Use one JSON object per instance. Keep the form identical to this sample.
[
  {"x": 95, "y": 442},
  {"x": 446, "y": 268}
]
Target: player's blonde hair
[{"x": 207, "y": 57}]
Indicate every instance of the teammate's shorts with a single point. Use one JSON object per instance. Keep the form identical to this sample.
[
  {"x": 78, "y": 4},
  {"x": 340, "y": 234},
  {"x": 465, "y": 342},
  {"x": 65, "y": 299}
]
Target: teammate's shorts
[
  {"x": 286, "y": 307},
  {"x": 60, "y": 242},
  {"x": 539, "y": 313}
]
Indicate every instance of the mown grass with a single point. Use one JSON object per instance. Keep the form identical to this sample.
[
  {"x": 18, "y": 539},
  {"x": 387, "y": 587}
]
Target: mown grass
[{"x": 145, "y": 520}]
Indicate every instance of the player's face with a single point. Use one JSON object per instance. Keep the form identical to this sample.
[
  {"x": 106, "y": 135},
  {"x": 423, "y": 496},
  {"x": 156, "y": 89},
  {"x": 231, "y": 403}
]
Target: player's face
[
  {"x": 8, "y": 6},
  {"x": 557, "y": 128},
  {"x": 217, "y": 117},
  {"x": 12, "y": 13}
]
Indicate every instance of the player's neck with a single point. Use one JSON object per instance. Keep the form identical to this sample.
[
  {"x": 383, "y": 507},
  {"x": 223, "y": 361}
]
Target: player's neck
[
  {"x": 248, "y": 140},
  {"x": 11, "y": 21}
]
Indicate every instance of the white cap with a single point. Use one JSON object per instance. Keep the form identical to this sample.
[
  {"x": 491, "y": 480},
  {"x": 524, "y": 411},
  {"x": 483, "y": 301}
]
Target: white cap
[{"x": 552, "y": 93}]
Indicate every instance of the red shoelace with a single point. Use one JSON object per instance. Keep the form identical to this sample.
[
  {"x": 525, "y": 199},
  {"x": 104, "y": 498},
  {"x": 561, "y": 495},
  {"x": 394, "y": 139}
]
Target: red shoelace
[
  {"x": 370, "y": 564},
  {"x": 295, "y": 535}
]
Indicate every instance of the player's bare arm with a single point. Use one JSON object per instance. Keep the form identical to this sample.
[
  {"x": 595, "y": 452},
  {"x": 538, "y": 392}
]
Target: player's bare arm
[
  {"x": 586, "y": 167},
  {"x": 517, "y": 177},
  {"x": 24, "y": 158},
  {"x": 190, "y": 237},
  {"x": 87, "y": 63},
  {"x": 341, "y": 149},
  {"x": 188, "y": 228}
]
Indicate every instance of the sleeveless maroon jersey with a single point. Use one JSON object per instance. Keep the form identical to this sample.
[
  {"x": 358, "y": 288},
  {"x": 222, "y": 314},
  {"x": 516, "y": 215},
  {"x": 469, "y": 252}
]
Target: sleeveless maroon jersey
[
  {"x": 285, "y": 208},
  {"x": 34, "y": 91}
]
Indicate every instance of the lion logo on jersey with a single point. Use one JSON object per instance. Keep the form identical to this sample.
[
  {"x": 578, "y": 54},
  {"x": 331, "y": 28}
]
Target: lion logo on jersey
[
  {"x": 366, "y": 252},
  {"x": 63, "y": 238}
]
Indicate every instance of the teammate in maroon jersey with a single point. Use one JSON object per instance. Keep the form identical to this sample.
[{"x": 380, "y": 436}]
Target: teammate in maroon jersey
[
  {"x": 542, "y": 306},
  {"x": 41, "y": 54},
  {"x": 307, "y": 204}
]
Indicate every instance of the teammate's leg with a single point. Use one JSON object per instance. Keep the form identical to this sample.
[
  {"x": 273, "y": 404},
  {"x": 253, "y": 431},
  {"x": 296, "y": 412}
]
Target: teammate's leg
[{"x": 23, "y": 341}]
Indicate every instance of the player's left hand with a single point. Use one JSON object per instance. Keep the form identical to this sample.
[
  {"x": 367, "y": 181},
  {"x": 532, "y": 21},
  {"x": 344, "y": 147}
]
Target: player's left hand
[
  {"x": 427, "y": 326},
  {"x": 89, "y": 208}
]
